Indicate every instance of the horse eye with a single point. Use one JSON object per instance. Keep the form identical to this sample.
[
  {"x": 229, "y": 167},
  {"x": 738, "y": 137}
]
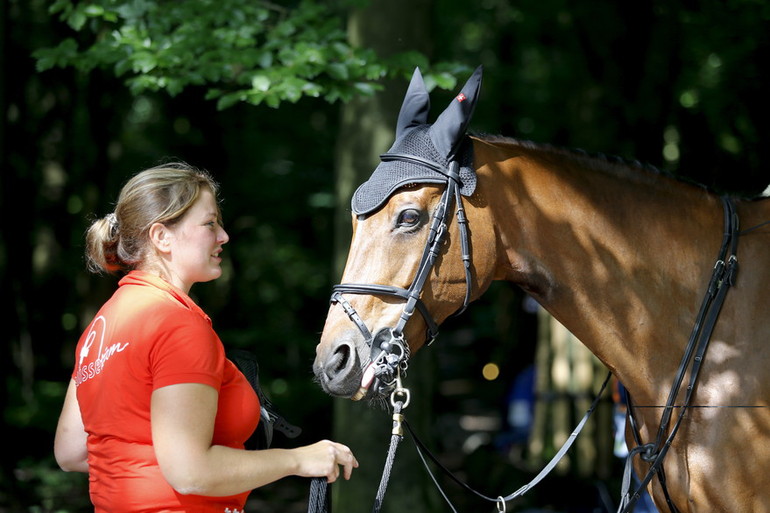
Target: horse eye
[{"x": 409, "y": 217}]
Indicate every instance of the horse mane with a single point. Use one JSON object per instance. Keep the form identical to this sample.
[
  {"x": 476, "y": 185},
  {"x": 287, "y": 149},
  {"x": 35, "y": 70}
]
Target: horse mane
[{"x": 598, "y": 161}]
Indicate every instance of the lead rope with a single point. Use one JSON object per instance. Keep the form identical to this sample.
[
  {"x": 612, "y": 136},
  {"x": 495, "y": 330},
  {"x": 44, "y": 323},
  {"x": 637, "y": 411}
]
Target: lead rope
[
  {"x": 319, "y": 500},
  {"x": 397, "y": 435}
]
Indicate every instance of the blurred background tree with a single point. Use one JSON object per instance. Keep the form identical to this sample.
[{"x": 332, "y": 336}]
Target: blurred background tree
[
  {"x": 91, "y": 92},
  {"x": 366, "y": 129}
]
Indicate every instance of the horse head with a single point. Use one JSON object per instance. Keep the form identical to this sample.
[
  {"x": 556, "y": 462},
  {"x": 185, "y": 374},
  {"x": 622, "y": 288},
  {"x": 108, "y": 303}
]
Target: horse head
[{"x": 405, "y": 254}]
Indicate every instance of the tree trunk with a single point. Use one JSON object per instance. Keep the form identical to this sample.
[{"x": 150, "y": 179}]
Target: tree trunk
[
  {"x": 367, "y": 129},
  {"x": 568, "y": 377}
]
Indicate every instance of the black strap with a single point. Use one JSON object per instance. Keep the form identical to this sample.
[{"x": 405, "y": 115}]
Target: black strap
[
  {"x": 462, "y": 223},
  {"x": 434, "y": 166},
  {"x": 500, "y": 500},
  {"x": 385, "y": 290},
  {"x": 269, "y": 420},
  {"x": 722, "y": 278}
]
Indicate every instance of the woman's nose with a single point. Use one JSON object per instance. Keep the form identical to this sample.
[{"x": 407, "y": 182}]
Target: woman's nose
[{"x": 223, "y": 236}]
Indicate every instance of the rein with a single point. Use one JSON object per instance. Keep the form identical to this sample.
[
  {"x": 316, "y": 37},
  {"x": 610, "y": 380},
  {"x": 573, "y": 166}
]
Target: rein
[{"x": 501, "y": 501}]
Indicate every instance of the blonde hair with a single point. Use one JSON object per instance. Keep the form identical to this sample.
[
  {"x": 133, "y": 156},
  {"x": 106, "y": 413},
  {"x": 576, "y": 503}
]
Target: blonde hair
[{"x": 119, "y": 241}]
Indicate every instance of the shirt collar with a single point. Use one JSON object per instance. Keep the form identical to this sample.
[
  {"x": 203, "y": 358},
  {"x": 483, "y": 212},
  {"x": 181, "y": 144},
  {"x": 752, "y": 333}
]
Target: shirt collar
[{"x": 146, "y": 279}]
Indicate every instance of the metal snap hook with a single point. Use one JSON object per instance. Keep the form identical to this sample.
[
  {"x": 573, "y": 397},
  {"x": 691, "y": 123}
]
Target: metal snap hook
[
  {"x": 400, "y": 391},
  {"x": 500, "y": 504}
]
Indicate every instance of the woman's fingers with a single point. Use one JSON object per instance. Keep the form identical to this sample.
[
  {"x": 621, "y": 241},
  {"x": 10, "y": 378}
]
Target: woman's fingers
[
  {"x": 325, "y": 458},
  {"x": 347, "y": 460}
]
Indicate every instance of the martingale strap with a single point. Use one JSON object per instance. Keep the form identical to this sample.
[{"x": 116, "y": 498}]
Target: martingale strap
[{"x": 722, "y": 278}]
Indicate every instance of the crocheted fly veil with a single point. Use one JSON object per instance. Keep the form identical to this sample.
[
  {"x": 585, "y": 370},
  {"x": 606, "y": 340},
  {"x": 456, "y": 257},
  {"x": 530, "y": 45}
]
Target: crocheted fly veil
[{"x": 441, "y": 142}]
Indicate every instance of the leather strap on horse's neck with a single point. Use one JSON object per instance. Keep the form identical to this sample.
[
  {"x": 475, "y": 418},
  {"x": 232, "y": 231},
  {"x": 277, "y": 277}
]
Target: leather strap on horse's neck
[{"x": 722, "y": 278}]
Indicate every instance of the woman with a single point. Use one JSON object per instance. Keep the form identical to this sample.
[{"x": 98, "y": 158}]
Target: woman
[{"x": 154, "y": 412}]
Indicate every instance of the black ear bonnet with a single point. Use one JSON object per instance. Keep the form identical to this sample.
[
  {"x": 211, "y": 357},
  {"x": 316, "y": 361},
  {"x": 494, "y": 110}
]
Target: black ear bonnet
[{"x": 443, "y": 141}]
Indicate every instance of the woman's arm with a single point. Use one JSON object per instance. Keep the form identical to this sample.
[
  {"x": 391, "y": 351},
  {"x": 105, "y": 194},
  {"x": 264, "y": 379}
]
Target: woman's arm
[
  {"x": 182, "y": 430},
  {"x": 69, "y": 446}
]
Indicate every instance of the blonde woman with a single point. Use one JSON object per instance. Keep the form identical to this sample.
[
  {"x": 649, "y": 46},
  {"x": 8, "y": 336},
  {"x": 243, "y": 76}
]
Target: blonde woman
[{"x": 154, "y": 412}]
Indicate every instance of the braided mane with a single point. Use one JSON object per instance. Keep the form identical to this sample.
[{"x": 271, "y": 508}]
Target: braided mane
[{"x": 599, "y": 161}]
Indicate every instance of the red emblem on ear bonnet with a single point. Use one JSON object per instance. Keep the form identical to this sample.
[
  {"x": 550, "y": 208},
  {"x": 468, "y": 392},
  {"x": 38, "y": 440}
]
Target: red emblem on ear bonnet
[{"x": 461, "y": 97}]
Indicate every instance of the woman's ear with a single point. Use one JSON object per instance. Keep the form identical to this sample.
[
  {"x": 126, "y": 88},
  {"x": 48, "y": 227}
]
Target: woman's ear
[{"x": 160, "y": 236}]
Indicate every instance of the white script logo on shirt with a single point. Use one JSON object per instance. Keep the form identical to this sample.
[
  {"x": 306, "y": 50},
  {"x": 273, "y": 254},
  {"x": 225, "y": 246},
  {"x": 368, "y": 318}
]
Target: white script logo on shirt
[{"x": 97, "y": 330}]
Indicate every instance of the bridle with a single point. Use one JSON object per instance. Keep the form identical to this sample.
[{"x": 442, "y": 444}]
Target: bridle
[{"x": 389, "y": 350}]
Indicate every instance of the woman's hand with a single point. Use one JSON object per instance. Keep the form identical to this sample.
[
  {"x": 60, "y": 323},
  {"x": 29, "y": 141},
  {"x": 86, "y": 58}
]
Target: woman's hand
[{"x": 325, "y": 458}]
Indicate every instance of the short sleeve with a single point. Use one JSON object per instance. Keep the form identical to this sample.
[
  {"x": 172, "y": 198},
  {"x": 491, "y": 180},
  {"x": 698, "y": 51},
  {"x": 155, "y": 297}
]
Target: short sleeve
[{"x": 187, "y": 351}]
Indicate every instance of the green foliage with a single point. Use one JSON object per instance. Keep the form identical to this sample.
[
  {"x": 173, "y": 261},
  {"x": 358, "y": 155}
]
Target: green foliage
[
  {"x": 54, "y": 491},
  {"x": 253, "y": 52}
]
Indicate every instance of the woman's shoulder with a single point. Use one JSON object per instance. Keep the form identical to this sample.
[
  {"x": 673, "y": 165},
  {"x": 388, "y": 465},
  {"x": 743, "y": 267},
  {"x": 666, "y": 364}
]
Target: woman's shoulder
[
  {"x": 152, "y": 314},
  {"x": 147, "y": 290}
]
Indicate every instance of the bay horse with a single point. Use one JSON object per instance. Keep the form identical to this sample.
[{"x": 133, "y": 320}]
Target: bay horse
[{"x": 619, "y": 253}]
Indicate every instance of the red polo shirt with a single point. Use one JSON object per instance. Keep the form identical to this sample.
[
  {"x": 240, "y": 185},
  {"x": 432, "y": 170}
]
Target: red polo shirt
[{"x": 147, "y": 336}]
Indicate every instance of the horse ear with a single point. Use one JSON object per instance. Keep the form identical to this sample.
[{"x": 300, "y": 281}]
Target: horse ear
[
  {"x": 449, "y": 129},
  {"x": 414, "y": 110}
]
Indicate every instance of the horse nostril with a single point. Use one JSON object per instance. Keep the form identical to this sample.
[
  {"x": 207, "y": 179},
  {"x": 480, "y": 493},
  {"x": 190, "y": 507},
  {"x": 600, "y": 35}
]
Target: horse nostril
[
  {"x": 339, "y": 370},
  {"x": 338, "y": 361}
]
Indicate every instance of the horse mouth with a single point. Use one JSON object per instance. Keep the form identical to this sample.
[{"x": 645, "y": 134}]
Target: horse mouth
[{"x": 366, "y": 381}]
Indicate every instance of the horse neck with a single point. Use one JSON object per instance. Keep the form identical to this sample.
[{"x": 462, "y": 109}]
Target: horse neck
[{"x": 619, "y": 256}]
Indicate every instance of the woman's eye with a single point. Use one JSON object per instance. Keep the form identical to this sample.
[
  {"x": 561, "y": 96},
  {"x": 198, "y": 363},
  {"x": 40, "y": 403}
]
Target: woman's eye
[{"x": 409, "y": 218}]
